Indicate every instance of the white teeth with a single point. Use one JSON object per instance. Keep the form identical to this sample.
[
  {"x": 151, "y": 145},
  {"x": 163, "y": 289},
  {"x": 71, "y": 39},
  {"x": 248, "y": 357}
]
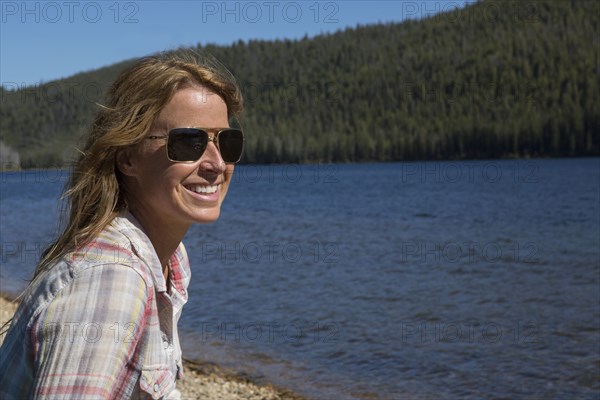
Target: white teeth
[{"x": 204, "y": 189}]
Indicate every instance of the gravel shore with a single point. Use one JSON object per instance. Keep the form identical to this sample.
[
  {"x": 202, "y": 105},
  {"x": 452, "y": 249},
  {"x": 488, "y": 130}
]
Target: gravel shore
[{"x": 201, "y": 381}]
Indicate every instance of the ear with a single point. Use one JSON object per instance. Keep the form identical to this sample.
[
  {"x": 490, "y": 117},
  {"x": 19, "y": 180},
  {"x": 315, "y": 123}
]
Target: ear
[{"x": 126, "y": 161}]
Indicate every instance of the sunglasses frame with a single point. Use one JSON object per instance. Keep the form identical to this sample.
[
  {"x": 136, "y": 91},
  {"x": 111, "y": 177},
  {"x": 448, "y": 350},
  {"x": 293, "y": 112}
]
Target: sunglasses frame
[{"x": 211, "y": 138}]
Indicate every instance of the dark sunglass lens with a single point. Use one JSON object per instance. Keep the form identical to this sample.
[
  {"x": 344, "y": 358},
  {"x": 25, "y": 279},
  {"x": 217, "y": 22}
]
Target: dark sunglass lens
[
  {"x": 186, "y": 144},
  {"x": 231, "y": 144}
]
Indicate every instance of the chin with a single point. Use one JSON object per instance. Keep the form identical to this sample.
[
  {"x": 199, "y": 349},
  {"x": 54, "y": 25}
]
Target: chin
[{"x": 207, "y": 217}]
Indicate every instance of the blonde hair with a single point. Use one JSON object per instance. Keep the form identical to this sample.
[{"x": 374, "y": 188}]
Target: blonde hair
[{"x": 95, "y": 193}]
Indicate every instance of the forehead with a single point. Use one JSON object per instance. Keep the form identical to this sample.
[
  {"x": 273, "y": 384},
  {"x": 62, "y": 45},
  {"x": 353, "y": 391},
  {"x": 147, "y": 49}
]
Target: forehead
[{"x": 194, "y": 107}]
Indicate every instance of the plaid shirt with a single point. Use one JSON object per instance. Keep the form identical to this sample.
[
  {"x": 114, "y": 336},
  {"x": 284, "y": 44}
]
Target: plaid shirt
[{"x": 100, "y": 323}]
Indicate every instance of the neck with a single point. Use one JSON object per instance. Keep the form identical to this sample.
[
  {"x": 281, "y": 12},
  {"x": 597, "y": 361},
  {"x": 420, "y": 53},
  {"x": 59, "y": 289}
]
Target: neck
[{"x": 165, "y": 236}]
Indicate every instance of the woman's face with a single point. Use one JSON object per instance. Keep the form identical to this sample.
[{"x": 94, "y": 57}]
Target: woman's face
[{"x": 181, "y": 193}]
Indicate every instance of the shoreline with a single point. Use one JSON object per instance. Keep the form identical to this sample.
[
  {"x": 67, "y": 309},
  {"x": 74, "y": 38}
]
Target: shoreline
[
  {"x": 202, "y": 380},
  {"x": 508, "y": 157}
]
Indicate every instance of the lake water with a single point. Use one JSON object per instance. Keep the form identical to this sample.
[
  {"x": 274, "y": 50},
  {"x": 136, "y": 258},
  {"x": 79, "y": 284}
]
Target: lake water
[{"x": 471, "y": 279}]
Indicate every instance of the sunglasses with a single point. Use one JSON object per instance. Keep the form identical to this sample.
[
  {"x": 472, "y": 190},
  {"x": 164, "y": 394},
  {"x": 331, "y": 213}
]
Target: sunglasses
[{"x": 188, "y": 144}]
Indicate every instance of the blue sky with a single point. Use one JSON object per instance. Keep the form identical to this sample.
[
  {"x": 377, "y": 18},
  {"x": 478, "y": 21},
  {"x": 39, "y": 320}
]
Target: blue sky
[{"x": 45, "y": 40}]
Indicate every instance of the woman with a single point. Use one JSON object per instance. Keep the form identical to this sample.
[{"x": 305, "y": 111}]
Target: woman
[{"x": 99, "y": 319}]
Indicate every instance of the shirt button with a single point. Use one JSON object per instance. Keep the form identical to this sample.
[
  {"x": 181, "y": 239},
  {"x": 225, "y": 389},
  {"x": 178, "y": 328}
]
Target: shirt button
[
  {"x": 166, "y": 344},
  {"x": 156, "y": 387}
]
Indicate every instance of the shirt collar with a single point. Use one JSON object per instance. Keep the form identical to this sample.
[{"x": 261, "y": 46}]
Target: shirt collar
[{"x": 141, "y": 245}]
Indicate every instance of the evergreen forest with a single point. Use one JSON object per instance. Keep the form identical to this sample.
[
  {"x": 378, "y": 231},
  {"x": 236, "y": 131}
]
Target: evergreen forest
[{"x": 496, "y": 79}]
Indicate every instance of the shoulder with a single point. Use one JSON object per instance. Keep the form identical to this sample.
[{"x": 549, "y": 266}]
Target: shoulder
[
  {"x": 103, "y": 293},
  {"x": 106, "y": 266},
  {"x": 110, "y": 251}
]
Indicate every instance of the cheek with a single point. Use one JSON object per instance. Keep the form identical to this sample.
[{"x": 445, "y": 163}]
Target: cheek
[
  {"x": 229, "y": 172},
  {"x": 158, "y": 174},
  {"x": 152, "y": 161},
  {"x": 227, "y": 175}
]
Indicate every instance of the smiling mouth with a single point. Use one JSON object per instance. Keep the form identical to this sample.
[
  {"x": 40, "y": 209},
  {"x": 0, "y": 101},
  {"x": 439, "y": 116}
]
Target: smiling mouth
[{"x": 202, "y": 189}]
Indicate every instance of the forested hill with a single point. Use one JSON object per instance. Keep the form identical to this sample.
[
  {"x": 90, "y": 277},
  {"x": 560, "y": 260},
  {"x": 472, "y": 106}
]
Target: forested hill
[{"x": 495, "y": 79}]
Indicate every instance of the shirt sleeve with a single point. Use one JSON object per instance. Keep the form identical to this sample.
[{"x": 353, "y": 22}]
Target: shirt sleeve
[{"x": 86, "y": 340}]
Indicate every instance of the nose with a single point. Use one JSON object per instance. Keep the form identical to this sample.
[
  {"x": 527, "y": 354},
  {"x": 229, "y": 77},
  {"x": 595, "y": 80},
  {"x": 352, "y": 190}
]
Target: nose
[{"x": 211, "y": 160}]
